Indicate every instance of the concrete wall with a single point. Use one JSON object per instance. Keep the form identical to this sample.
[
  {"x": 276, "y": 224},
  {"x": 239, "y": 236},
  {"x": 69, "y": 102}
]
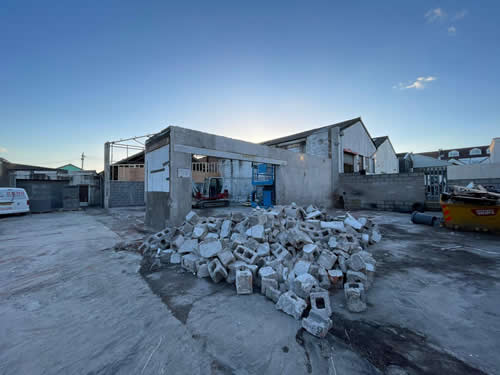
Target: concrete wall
[
  {"x": 157, "y": 196},
  {"x": 300, "y": 178},
  {"x": 391, "y": 192},
  {"x": 317, "y": 144},
  {"x": 386, "y": 160},
  {"x": 495, "y": 150},
  {"x": 126, "y": 193},
  {"x": 475, "y": 171}
]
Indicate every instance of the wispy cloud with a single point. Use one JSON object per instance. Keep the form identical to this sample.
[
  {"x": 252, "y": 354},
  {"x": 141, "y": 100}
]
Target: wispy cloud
[
  {"x": 420, "y": 83},
  {"x": 452, "y": 30},
  {"x": 460, "y": 15},
  {"x": 434, "y": 15},
  {"x": 3, "y": 150}
]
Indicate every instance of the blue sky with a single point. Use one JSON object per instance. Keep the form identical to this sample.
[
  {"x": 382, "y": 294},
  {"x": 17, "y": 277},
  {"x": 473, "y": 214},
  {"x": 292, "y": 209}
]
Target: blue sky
[{"x": 76, "y": 74}]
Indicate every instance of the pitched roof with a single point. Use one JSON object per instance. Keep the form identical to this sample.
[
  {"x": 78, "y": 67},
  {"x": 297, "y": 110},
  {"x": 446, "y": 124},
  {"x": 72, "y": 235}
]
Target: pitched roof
[
  {"x": 342, "y": 125},
  {"x": 70, "y": 167},
  {"x": 463, "y": 153},
  {"x": 379, "y": 140},
  {"x": 422, "y": 161}
]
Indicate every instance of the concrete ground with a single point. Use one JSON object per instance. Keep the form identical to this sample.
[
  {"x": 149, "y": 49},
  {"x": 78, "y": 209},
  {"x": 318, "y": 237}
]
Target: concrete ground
[{"x": 70, "y": 304}]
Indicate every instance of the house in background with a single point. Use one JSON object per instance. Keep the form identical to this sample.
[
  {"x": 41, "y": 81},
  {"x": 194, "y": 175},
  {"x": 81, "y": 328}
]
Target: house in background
[
  {"x": 52, "y": 188},
  {"x": 356, "y": 145},
  {"x": 462, "y": 156},
  {"x": 70, "y": 167},
  {"x": 385, "y": 157}
]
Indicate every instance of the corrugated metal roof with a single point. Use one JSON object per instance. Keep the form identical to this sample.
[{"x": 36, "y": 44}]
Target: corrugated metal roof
[{"x": 342, "y": 125}]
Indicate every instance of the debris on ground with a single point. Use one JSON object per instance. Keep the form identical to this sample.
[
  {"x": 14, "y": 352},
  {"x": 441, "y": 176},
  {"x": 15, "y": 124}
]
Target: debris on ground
[{"x": 294, "y": 256}]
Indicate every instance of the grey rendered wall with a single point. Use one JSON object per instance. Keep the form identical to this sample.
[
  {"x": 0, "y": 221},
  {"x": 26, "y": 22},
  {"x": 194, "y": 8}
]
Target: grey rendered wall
[
  {"x": 126, "y": 193},
  {"x": 305, "y": 179},
  {"x": 390, "y": 192}
]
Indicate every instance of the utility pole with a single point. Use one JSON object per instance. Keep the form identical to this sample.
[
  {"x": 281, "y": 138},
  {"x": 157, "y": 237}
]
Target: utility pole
[{"x": 83, "y": 157}]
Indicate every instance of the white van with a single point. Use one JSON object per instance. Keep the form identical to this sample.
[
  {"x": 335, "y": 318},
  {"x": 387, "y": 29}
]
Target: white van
[{"x": 13, "y": 201}]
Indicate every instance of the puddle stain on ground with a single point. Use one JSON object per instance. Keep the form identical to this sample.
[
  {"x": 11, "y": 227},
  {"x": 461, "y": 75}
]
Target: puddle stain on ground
[{"x": 384, "y": 346}]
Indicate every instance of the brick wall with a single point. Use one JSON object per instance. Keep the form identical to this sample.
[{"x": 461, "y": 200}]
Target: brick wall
[
  {"x": 389, "y": 192},
  {"x": 126, "y": 193},
  {"x": 494, "y": 182}
]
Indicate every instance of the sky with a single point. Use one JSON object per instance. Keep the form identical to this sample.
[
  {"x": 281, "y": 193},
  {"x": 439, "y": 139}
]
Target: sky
[{"x": 74, "y": 75}]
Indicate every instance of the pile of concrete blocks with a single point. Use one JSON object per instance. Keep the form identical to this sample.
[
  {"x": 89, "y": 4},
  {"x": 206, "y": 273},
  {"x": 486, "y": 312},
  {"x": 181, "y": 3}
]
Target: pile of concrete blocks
[{"x": 294, "y": 256}]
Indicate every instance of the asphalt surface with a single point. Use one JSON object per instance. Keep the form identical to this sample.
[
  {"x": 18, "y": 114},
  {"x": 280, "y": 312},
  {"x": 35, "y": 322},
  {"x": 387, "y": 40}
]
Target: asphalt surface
[{"x": 70, "y": 304}]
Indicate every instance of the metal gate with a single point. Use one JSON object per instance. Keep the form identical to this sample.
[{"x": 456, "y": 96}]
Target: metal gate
[{"x": 436, "y": 182}]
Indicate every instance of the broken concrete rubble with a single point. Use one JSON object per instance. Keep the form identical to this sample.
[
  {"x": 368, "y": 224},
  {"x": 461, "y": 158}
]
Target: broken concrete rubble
[{"x": 296, "y": 256}]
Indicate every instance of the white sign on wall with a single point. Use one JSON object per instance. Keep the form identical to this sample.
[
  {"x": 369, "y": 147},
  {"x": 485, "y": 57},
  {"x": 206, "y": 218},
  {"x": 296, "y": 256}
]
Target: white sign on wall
[
  {"x": 158, "y": 169},
  {"x": 184, "y": 172}
]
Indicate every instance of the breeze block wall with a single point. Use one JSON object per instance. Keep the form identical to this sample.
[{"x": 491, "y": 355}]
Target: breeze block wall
[
  {"x": 126, "y": 193},
  {"x": 388, "y": 192}
]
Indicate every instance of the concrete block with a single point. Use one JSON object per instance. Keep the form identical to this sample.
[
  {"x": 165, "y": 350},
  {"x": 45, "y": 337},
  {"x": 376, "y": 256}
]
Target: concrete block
[
  {"x": 257, "y": 232},
  {"x": 175, "y": 258},
  {"x": 355, "y": 277},
  {"x": 327, "y": 259},
  {"x": 273, "y": 294},
  {"x": 216, "y": 270},
  {"x": 238, "y": 239},
  {"x": 291, "y": 304},
  {"x": 342, "y": 263},
  {"x": 225, "y": 257},
  {"x": 187, "y": 229},
  {"x": 237, "y": 217},
  {"x": 323, "y": 279},
  {"x": 266, "y": 283},
  {"x": 303, "y": 284},
  {"x": 244, "y": 284},
  {"x": 320, "y": 304},
  {"x": 212, "y": 227},
  {"x": 165, "y": 255},
  {"x": 210, "y": 248},
  {"x": 188, "y": 262},
  {"x": 313, "y": 215},
  {"x": 332, "y": 242},
  {"x": 354, "y": 294},
  {"x": 281, "y": 254},
  {"x": 337, "y": 226},
  {"x": 263, "y": 249},
  {"x": 301, "y": 267},
  {"x": 336, "y": 278},
  {"x": 177, "y": 242},
  {"x": 164, "y": 243},
  {"x": 352, "y": 222},
  {"x": 316, "y": 326},
  {"x": 225, "y": 229},
  {"x": 211, "y": 236},
  {"x": 199, "y": 231},
  {"x": 245, "y": 254},
  {"x": 356, "y": 262},
  {"x": 192, "y": 218},
  {"x": 202, "y": 271},
  {"x": 268, "y": 273},
  {"x": 310, "y": 252},
  {"x": 189, "y": 246},
  {"x": 241, "y": 227}
]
